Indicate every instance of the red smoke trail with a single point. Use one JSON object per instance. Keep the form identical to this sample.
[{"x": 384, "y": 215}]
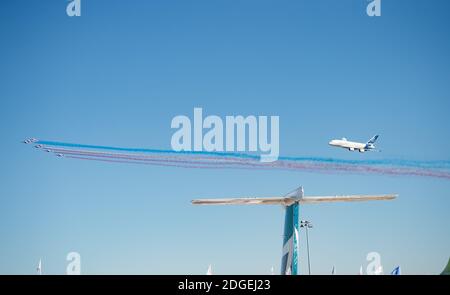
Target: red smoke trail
[{"x": 212, "y": 162}]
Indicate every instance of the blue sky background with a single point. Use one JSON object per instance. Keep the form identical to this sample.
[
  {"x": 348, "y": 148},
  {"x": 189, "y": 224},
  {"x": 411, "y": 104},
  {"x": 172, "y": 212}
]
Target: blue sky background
[{"x": 117, "y": 76}]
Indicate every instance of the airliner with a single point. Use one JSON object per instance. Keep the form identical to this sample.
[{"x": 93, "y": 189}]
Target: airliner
[{"x": 355, "y": 146}]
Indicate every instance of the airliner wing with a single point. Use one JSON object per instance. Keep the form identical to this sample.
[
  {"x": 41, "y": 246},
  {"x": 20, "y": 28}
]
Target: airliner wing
[{"x": 351, "y": 198}]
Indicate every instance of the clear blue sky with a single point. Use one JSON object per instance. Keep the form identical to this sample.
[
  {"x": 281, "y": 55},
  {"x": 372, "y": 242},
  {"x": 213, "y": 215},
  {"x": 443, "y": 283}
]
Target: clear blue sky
[{"x": 117, "y": 76}]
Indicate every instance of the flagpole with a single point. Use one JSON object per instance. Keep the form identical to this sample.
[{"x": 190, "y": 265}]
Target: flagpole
[{"x": 306, "y": 224}]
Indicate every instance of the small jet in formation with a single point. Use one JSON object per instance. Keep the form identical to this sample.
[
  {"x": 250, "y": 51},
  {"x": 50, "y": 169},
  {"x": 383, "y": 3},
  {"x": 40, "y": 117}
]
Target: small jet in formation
[
  {"x": 29, "y": 140},
  {"x": 355, "y": 146}
]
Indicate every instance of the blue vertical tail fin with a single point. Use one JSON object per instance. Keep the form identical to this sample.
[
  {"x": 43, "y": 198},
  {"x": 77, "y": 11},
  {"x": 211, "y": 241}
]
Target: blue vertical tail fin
[{"x": 373, "y": 139}]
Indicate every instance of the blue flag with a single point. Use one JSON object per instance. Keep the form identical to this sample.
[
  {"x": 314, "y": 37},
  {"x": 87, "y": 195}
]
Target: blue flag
[{"x": 396, "y": 271}]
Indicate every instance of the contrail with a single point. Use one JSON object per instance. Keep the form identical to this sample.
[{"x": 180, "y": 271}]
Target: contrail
[{"x": 222, "y": 160}]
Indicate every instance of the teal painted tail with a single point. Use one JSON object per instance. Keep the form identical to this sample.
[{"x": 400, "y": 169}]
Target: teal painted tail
[{"x": 289, "y": 259}]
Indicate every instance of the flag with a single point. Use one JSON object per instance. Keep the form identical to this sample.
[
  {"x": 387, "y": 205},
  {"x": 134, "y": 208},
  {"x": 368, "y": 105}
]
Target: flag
[
  {"x": 397, "y": 271},
  {"x": 209, "y": 271},
  {"x": 39, "y": 267}
]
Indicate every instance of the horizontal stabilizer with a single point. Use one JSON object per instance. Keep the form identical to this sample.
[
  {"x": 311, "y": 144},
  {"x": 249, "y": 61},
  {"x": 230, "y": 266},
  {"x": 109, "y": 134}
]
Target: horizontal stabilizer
[
  {"x": 246, "y": 201},
  {"x": 353, "y": 198},
  {"x": 287, "y": 201}
]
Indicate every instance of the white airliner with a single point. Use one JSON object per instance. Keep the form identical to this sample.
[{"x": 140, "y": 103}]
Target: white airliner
[{"x": 355, "y": 146}]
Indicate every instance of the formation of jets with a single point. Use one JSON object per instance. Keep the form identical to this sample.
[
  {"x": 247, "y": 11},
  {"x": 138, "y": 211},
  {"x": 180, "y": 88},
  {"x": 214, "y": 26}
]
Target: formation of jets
[{"x": 29, "y": 140}]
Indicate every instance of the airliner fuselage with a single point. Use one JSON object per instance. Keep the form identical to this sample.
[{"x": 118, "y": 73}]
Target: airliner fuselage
[{"x": 352, "y": 145}]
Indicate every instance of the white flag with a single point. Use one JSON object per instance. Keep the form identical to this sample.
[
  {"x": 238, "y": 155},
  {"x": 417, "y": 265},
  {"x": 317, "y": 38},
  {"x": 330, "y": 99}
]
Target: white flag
[
  {"x": 39, "y": 268},
  {"x": 209, "y": 271}
]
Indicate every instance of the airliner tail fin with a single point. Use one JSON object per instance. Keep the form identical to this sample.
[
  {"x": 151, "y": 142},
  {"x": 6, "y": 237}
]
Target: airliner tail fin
[{"x": 373, "y": 139}]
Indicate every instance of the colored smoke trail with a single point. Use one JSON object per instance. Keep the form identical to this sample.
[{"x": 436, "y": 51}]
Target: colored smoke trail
[
  {"x": 222, "y": 160},
  {"x": 440, "y": 164}
]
